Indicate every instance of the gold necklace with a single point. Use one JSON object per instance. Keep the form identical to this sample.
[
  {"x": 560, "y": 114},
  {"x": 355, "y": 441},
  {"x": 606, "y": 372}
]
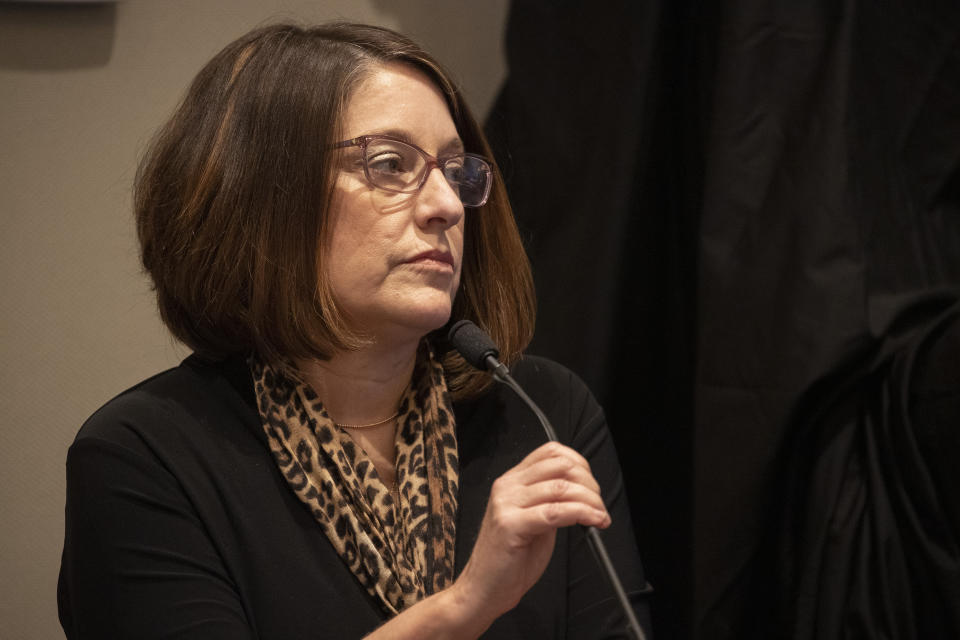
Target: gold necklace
[{"x": 364, "y": 426}]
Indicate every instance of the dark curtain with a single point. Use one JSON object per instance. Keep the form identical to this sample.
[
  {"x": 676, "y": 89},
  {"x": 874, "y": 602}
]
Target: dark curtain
[
  {"x": 726, "y": 205},
  {"x": 589, "y": 132},
  {"x": 865, "y": 544}
]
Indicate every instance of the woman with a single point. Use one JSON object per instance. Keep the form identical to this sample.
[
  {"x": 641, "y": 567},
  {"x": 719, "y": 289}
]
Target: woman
[{"x": 324, "y": 465}]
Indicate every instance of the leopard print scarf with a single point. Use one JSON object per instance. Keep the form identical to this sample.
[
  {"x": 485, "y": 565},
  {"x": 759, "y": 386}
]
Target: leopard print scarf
[{"x": 399, "y": 553}]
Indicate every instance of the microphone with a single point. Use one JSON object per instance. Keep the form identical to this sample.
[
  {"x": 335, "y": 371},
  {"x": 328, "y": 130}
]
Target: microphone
[{"x": 478, "y": 350}]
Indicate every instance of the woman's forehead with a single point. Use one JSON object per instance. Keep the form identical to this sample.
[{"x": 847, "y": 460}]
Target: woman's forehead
[{"x": 402, "y": 101}]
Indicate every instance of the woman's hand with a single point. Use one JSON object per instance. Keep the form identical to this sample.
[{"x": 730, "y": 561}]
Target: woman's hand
[{"x": 551, "y": 488}]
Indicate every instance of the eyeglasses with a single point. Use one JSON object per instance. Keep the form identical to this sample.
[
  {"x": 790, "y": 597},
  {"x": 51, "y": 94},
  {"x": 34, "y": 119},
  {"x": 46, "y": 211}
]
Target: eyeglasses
[{"x": 401, "y": 167}]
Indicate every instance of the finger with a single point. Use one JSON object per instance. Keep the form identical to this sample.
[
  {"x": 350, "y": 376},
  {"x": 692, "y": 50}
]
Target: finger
[
  {"x": 558, "y": 467},
  {"x": 558, "y": 490},
  {"x": 552, "y": 450},
  {"x": 551, "y": 516}
]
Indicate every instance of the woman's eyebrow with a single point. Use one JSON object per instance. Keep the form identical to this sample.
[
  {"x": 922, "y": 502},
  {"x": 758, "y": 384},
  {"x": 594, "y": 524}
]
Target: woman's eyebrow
[
  {"x": 399, "y": 134},
  {"x": 453, "y": 145}
]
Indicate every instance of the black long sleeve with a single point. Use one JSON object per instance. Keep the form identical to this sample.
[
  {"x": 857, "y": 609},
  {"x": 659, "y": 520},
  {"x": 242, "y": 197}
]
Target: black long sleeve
[
  {"x": 179, "y": 524},
  {"x": 140, "y": 563}
]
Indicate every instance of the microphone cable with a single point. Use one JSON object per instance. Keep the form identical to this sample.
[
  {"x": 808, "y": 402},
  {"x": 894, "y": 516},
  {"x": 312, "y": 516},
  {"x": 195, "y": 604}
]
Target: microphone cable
[{"x": 478, "y": 350}]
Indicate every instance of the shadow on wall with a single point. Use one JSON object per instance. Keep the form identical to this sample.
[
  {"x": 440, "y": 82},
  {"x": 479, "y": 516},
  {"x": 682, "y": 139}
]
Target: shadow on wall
[{"x": 35, "y": 36}]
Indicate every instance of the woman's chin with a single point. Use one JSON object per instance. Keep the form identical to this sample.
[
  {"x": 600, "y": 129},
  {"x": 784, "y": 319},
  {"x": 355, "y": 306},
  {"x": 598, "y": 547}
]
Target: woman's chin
[
  {"x": 427, "y": 310},
  {"x": 411, "y": 322},
  {"x": 427, "y": 320}
]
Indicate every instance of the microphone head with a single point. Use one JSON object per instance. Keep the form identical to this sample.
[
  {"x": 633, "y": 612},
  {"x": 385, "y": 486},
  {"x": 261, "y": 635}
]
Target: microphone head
[{"x": 472, "y": 343}]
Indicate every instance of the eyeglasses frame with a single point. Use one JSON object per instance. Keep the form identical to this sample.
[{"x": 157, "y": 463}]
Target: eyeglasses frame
[{"x": 432, "y": 162}]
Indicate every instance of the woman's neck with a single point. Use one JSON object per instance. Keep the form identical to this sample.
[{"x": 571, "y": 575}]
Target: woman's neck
[{"x": 364, "y": 386}]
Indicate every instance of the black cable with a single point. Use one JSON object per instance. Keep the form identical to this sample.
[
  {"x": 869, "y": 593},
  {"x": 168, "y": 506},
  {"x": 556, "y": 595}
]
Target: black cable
[{"x": 478, "y": 349}]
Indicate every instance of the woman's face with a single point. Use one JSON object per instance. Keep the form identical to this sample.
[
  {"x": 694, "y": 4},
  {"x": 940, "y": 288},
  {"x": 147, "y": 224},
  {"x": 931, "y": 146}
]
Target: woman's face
[{"x": 394, "y": 258}]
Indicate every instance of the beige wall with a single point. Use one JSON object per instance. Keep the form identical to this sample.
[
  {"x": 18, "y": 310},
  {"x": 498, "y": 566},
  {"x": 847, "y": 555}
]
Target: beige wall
[{"x": 81, "y": 91}]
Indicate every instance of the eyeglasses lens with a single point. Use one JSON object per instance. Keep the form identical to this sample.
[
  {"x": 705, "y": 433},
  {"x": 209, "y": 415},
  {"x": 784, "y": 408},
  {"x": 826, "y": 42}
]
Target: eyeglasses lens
[
  {"x": 470, "y": 177},
  {"x": 393, "y": 165},
  {"x": 396, "y": 166}
]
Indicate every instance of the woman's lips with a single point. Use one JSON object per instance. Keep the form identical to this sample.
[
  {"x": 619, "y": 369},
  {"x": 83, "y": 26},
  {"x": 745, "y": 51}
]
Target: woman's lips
[{"x": 434, "y": 258}]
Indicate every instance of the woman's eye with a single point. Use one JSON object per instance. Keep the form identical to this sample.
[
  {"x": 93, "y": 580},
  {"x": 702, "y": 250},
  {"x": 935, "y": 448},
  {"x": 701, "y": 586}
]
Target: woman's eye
[
  {"x": 387, "y": 164},
  {"x": 454, "y": 170}
]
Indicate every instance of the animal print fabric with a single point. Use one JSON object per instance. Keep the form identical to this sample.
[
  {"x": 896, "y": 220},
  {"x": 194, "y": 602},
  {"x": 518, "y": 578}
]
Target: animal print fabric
[{"x": 399, "y": 553}]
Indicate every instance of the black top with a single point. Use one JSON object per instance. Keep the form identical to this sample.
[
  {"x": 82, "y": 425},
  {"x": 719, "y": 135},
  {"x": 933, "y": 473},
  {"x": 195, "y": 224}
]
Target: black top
[{"x": 179, "y": 524}]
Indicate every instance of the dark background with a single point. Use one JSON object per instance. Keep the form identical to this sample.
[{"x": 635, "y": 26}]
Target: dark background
[{"x": 725, "y": 203}]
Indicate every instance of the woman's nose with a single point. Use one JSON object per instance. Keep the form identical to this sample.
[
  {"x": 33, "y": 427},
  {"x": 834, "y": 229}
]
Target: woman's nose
[{"x": 438, "y": 202}]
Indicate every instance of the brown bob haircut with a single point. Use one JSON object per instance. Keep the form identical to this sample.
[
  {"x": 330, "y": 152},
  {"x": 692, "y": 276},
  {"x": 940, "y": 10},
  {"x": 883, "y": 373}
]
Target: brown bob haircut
[{"x": 232, "y": 196}]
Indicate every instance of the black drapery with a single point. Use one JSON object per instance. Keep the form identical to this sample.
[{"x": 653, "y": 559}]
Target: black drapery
[
  {"x": 865, "y": 544},
  {"x": 726, "y": 203},
  {"x": 585, "y": 131}
]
